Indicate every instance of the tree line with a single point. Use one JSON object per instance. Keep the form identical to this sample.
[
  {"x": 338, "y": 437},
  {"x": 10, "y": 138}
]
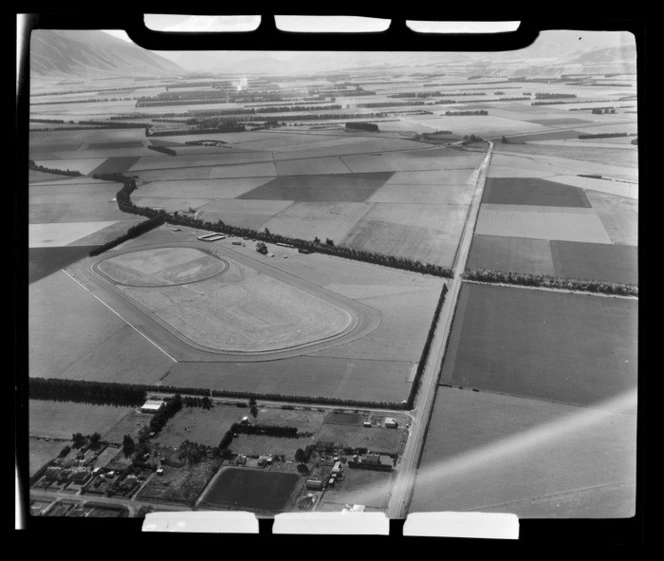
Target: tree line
[
  {"x": 163, "y": 150},
  {"x": 465, "y": 113},
  {"x": 132, "y": 232},
  {"x": 362, "y": 126},
  {"x": 427, "y": 347},
  {"x": 549, "y": 281},
  {"x": 70, "y": 172},
  {"x": 126, "y": 205}
]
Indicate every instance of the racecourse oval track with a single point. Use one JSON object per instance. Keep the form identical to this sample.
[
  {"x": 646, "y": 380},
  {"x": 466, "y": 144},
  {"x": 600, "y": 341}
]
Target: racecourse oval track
[{"x": 363, "y": 319}]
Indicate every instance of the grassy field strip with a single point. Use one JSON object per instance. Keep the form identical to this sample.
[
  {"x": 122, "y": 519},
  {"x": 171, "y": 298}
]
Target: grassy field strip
[{"x": 123, "y": 319}]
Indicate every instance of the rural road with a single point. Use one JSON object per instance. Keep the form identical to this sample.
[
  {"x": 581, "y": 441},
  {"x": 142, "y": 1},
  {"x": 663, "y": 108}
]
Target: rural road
[{"x": 404, "y": 485}]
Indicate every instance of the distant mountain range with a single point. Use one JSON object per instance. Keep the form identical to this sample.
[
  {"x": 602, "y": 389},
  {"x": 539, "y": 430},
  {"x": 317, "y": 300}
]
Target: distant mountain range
[
  {"x": 84, "y": 53},
  {"x": 90, "y": 53}
]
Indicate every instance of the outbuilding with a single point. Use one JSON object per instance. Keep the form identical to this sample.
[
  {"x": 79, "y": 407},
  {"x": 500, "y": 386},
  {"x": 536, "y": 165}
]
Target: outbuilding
[{"x": 152, "y": 406}]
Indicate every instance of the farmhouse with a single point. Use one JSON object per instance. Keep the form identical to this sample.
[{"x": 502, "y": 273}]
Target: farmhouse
[
  {"x": 152, "y": 406},
  {"x": 390, "y": 423}
]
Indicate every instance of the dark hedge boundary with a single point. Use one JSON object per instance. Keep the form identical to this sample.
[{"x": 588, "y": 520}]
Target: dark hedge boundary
[
  {"x": 548, "y": 281},
  {"x": 112, "y": 393},
  {"x": 163, "y": 150},
  {"x": 425, "y": 350},
  {"x": 126, "y": 205},
  {"x": 133, "y": 232},
  {"x": 72, "y": 173}
]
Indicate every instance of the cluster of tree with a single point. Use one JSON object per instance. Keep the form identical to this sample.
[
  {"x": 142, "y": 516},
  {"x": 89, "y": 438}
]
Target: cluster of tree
[
  {"x": 89, "y": 100},
  {"x": 265, "y": 430},
  {"x": 378, "y": 104},
  {"x": 548, "y": 281},
  {"x": 163, "y": 150},
  {"x": 115, "y": 125},
  {"x": 70, "y": 172},
  {"x": 222, "y": 127},
  {"x": 603, "y": 110},
  {"x": 203, "y": 141},
  {"x": 93, "y": 441},
  {"x": 359, "y": 125},
  {"x": 366, "y": 465},
  {"x": 203, "y": 402},
  {"x": 605, "y": 135},
  {"x": 303, "y": 456},
  {"x": 132, "y": 232},
  {"x": 161, "y": 417},
  {"x": 427, "y": 347},
  {"x": 506, "y": 140},
  {"x": 193, "y": 453},
  {"x": 469, "y": 139},
  {"x": 635, "y": 141},
  {"x": 83, "y": 391},
  {"x": 553, "y": 95},
  {"x": 465, "y": 113}
]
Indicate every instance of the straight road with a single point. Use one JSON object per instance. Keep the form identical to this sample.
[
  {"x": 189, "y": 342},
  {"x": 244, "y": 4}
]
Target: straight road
[{"x": 404, "y": 485}]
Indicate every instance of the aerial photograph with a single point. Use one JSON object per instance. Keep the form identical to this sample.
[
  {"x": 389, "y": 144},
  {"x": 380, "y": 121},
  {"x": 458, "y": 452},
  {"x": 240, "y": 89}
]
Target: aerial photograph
[{"x": 339, "y": 281}]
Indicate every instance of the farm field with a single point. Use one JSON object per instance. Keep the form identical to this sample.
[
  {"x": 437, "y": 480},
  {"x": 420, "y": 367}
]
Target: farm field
[
  {"x": 199, "y": 188},
  {"x": 360, "y": 486},
  {"x": 499, "y": 453},
  {"x": 55, "y": 419},
  {"x": 255, "y": 445},
  {"x": 308, "y": 220},
  {"x": 94, "y": 344},
  {"x": 200, "y": 425},
  {"x": 305, "y": 376},
  {"x": 179, "y": 485},
  {"x": 532, "y": 192},
  {"x": 42, "y": 450},
  {"x": 44, "y": 261},
  {"x": 249, "y": 489},
  {"x": 376, "y": 439},
  {"x": 567, "y": 348},
  {"x": 130, "y": 424},
  {"x": 320, "y": 188},
  {"x": 428, "y": 233}
]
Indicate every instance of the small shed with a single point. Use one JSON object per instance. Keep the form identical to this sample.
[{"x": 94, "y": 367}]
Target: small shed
[{"x": 152, "y": 406}]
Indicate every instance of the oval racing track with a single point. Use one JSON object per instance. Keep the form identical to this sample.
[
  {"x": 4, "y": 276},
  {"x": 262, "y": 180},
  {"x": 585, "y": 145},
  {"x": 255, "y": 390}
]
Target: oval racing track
[{"x": 363, "y": 318}]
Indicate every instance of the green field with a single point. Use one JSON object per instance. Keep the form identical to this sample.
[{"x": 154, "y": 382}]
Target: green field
[
  {"x": 56, "y": 419},
  {"x": 252, "y": 489},
  {"x": 568, "y": 348}
]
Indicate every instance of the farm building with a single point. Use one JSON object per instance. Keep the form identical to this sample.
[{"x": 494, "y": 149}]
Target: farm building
[
  {"x": 152, "y": 406},
  {"x": 353, "y": 508},
  {"x": 371, "y": 459},
  {"x": 391, "y": 423},
  {"x": 315, "y": 484}
]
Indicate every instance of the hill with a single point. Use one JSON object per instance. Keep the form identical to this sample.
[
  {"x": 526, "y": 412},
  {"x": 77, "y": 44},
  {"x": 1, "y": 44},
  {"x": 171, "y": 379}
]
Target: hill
[{"x": 87, "y": 53}]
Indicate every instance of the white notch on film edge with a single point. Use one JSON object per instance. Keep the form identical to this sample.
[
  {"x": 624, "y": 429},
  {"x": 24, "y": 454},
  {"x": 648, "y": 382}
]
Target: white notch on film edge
[
  {"x": 489, "y": 525},
  {"x": 346, "y": 523},
  {"x": 234, "y": 522}
]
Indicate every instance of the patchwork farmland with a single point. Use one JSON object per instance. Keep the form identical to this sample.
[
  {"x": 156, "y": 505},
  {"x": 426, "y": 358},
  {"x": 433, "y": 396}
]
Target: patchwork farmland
[{"x": 331, "y": 347}]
